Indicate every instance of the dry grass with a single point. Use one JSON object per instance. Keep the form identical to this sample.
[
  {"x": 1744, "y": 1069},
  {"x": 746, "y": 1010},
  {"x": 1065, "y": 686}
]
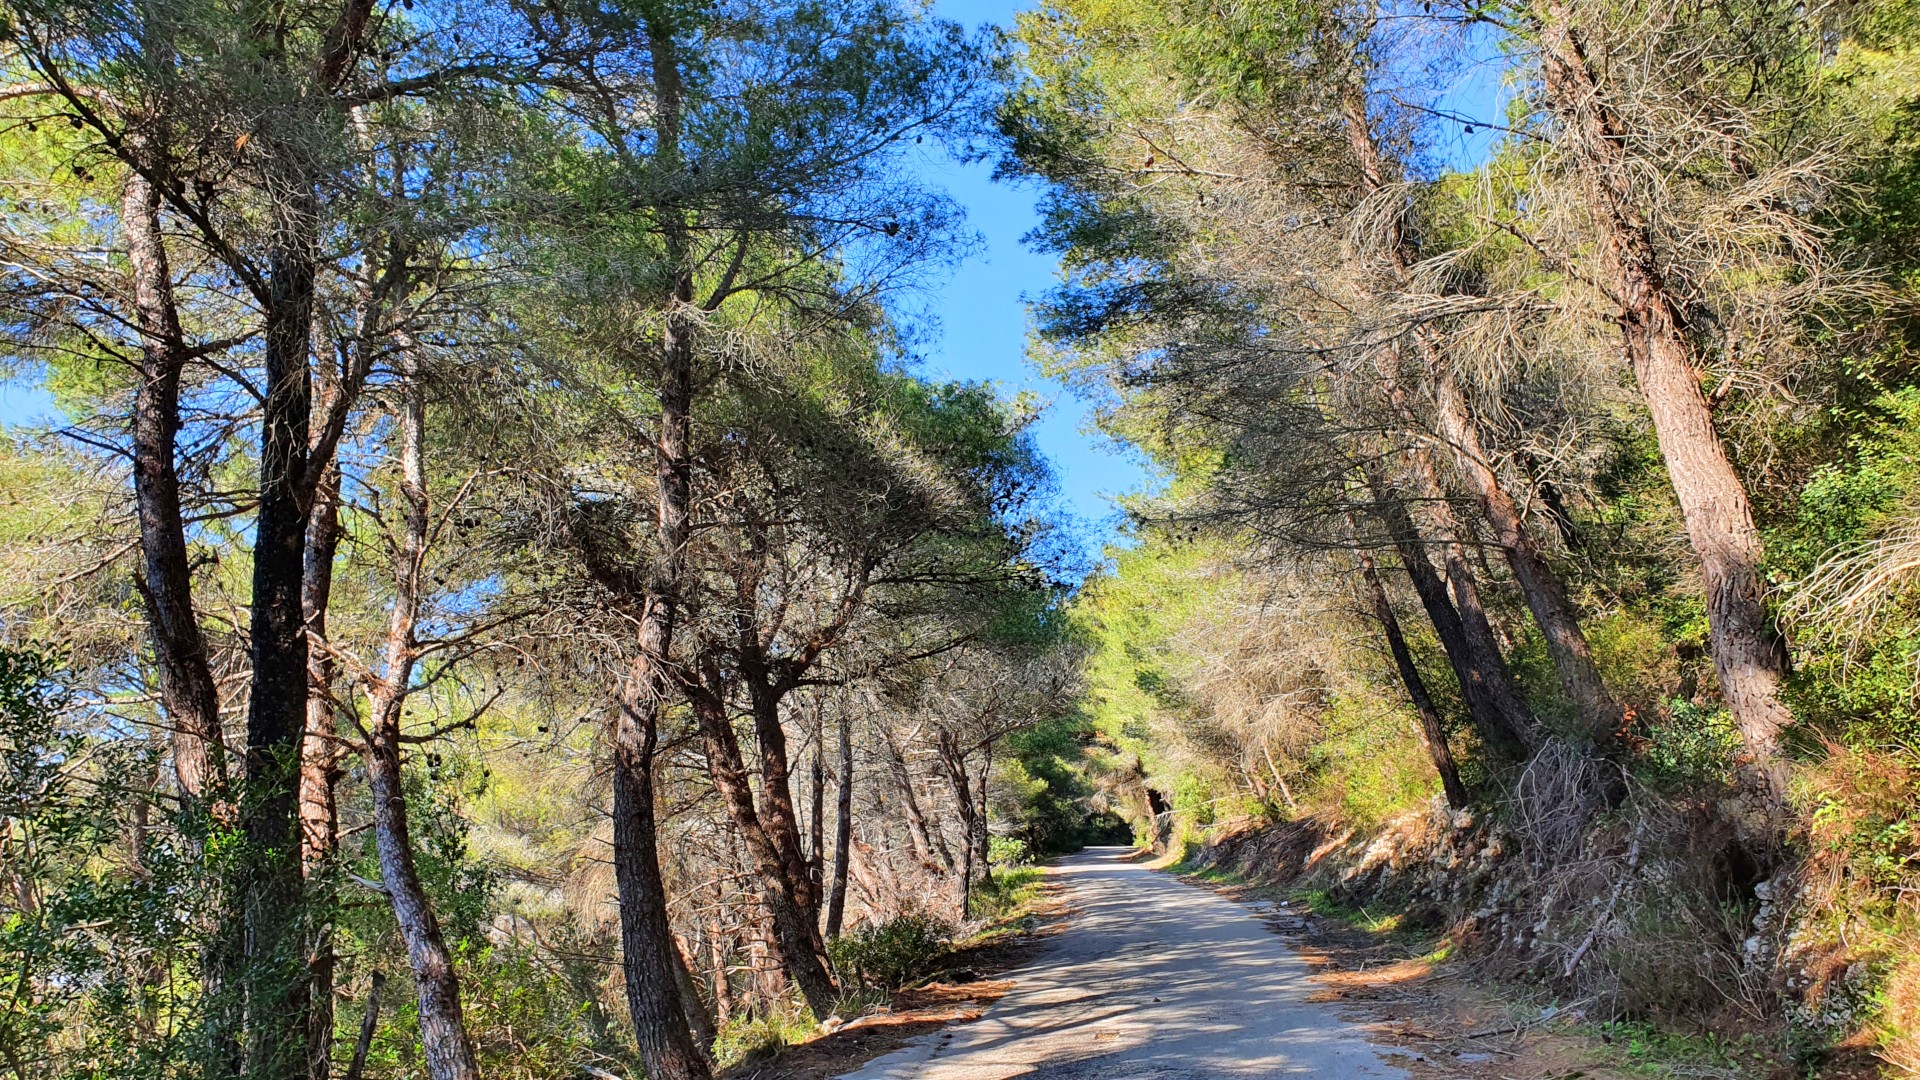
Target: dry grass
[{"x": 1900, "y": 1012}]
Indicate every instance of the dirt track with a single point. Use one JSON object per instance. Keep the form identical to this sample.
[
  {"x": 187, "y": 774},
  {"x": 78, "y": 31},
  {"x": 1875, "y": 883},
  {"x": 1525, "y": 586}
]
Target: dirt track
[{"x": 1152, "y": 979}]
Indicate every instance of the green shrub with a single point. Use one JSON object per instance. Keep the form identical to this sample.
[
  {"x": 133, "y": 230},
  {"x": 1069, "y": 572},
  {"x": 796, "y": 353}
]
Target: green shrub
[
  {"x": 1008, "y": 894},
  {"x": 890, "y": 955},
  {"x": 1369, "y": 765},
  {"x": 89, "y": 952},
  {"x": 1008, "y": 851},
  {"x": 1692, "y": 745}
]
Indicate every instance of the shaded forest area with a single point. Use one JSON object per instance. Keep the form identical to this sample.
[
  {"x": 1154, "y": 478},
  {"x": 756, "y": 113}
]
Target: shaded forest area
[{"x": 503, "y": 600}]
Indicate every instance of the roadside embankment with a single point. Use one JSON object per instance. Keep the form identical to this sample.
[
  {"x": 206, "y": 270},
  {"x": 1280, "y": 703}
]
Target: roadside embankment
[{"x": 1654, "y": 918}]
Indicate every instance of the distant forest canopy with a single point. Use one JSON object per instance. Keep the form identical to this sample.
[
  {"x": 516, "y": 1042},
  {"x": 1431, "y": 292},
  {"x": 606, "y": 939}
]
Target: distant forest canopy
[{"x": 500, "y": 600}]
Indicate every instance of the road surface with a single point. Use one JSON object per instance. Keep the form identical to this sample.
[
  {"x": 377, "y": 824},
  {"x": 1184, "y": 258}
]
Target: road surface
[{"x": 1152, "y": 979}]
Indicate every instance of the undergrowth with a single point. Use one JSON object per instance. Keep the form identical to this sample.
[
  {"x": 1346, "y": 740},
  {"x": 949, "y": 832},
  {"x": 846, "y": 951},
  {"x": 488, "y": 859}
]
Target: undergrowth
[
  {"x": 887, "y": 956},
  {"x": 874, "y": 961},
  {"x": 752, "y": 1038},
  {"x": 1006, "y": 898},
  {"x": 1650, "y": 1050}
]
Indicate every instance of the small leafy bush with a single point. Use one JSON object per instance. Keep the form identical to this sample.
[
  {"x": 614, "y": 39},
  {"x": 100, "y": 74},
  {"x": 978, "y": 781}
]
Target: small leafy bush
[
  {"x": 1007, "y": 851},
  {"x": 890, "y": 955},
  {"x": 1695, "y": 746}
]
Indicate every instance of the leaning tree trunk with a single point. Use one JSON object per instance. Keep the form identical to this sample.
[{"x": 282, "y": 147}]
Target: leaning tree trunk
[
  {"x": 1432, "y": 735},
  {"x": 443, "y": 1031},
  {"x": 1501, "y": 714},
  {"x": 1545, "y": 594},
  {"x": 796, "y": 932},
  {"x": 189, "y": 697},
  {"x": 1484, "y": 644},
  {"x": 953, "y": 758},
  {"x": 1494, "y": 703},
  {"x": 1748, "y": 654},
  {"x": 777, "y": 813},
  {"x": 187, "y": 692},
  {"x": 699, "y": 1017},
  {"x": 928, "y": 845}
]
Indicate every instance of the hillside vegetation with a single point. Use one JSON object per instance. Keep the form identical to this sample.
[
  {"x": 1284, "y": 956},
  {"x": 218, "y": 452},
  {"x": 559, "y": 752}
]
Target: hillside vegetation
[{"x": 1533, "y": 390}]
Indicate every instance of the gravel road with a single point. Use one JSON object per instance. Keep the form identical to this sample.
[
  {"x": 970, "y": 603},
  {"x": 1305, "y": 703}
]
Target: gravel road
[{"x": 1152, "y": 979}]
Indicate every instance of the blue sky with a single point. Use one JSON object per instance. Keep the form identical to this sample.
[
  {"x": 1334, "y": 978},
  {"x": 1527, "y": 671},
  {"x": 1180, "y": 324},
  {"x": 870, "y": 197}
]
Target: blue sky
[{"x": 982, "y": 316}]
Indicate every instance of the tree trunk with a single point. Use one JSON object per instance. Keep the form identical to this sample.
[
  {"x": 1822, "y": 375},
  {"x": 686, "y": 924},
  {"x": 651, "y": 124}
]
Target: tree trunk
[
  {"x": 660, "y": 1022},
  {"x": 722, "y": 979},
  {"x": 187, "y": 691},
  {"x": 1432, "y": 735},
  {"x": 1484, "y": 644},
  {"x": 966, "y": 873},
  {"x": 368, "y": 1021},
  {"x": 954, "y": 759},
  {"x": 699, "y": 1018},
  {"x": 1286, "y": 791},
  {"x": 777, "y": 814},
  {"x": 817, "y": 819},
  {"x": 842, "y": 830},
  {"x": 659, "y": 1019},
  {"x": 321, "y": 753},
  {"x": 189, "y": 697},
  {"x": 1546, "y": 595},
  {"x": 443, "y": 1031},
  {"x": 860, "y": 872},
  {"x": 1748, "y": 654},
  {"x": 770, "y": 975},
  {"x": 1499, "y": 712},
  {"x": 927, "y": 845},
  {"x": 796, "y": 931},
  {"x": 277, "y": 1001},
  {"x": 320, "y": 767},
  {"x": 983, "y": 841}
]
